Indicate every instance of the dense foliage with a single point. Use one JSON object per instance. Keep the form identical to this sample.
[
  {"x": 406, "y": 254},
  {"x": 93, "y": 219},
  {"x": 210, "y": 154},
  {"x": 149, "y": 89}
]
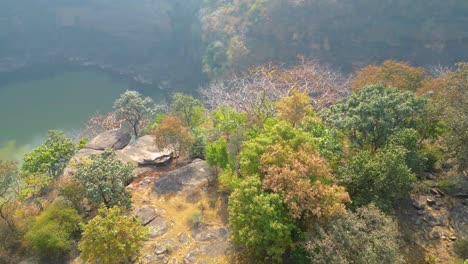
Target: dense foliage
[
  {"x": 371, "y": 115},
  {"x": 52, "y": 233},
  {"x": 364, "y": 236},
  {"x": 104, "y": 179},
  {"x": 111, "y": 237},
  {"x": 46, "y": 162}
]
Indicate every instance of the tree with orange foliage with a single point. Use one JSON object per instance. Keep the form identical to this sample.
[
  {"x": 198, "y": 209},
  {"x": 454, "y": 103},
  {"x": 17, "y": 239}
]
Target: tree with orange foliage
[
  {"x": 390, "y": 73},
  {"x": 172, "y": 133},
  {"x": 304, "y": 181},
  {"x": 294, "y": 108}
]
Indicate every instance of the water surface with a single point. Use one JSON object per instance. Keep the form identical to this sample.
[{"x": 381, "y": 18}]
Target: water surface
[{"x": 65, "y": 100}]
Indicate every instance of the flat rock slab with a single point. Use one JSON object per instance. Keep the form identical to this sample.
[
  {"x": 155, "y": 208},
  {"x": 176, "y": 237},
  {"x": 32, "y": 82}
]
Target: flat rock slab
[
  {"x": 147, "y": 214},
  {"x": 112, "y": 139},
  {"x": 196, "y": 174},
  {"x": 205, "y": 233},
  {"x": 158, "y": 227},
  {"x": 143, "y": 151}
]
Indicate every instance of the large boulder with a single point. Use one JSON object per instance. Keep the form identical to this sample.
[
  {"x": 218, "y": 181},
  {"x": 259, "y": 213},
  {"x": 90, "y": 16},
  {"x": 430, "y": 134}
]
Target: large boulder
[
  {"x": 143, "y": 151},
  {"x": 196, "y": 174},
  {"x": 112, "y": 139}
]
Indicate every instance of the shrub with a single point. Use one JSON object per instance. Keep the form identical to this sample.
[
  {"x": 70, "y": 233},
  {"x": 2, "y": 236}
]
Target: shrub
[
  {"x": 380, "y": 177},
  {"x": 196, "y": 219},
  {"x": 366, "y": 236},
  {"x": 461, "y": 248},
  {"x": 112, "y": 237},
  {"x": 51, "y": 234}
]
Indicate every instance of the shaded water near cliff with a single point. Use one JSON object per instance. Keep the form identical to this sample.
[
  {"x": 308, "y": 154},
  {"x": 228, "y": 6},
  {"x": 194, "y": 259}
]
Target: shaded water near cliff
[{"x": 33, "y": 102}]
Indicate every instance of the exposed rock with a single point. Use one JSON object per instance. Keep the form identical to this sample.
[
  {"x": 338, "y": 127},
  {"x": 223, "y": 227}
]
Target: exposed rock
[
  {"x": 112, "y": 139},
  {"x": 430, "y": 201},
  {"x": 184, "y": 239},
  {"x": 209, "y": 233},
  {"x": 418, "y": 205},
  {"x": 436, "y": 191},
  {"x": 158, "y": 227},
  {"x": 143, "y": 151},
  {"x": 435, "y": 220},
  {"x": 148, "y": 214},
  {"x": 195, "y": 174},
  {"x": 459, "y": 220}
]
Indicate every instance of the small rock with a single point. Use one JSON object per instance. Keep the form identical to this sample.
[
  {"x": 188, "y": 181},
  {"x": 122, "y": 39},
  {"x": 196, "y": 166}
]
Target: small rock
[
  {"x": 420, "y": 212},
  {"x": 183, "y": 239},
  {"x": 453, "y": 238},
  {"x": 418, "y": 205},
  {"x": 418, "y": 221},
  {"x": 189, "y": 259},
  {"x": 435, "y": 235},
  {"x": 430, "y": 201}
]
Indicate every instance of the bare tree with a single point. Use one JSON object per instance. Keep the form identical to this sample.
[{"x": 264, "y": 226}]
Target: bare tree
[
  {"x": 99, "y": 123},
  {"x": 255, "y": 91}
]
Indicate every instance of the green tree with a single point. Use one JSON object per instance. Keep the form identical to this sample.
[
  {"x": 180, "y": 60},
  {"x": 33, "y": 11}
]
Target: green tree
[
  {"x": 132, "y": 108},
  {"x": 189, "y": 108},
  {"x": 380, "y": 177},
  {"x": 112, "y": 237},
  {"x": 259, "y": 221},
  {"x": 104, "y": 179},
  {"x": 46, "y": 162},
  {"x": 365, "y": 236},
  {"x": 371, "y": 115},
  {"x": 216, "y": 154},
  {"x": 51, "y": 234}
]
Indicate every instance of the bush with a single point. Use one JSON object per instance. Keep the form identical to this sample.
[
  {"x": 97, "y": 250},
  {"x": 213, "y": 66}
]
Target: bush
[
  {"x": 380, "y": 177},
  {"x": 112, "y": 237},
  {"x": 196, "y": 219},
  {"x": 366, "y": 236},
  {"x": 51, "y": 234},
  {"x": 461, "y": 248}
]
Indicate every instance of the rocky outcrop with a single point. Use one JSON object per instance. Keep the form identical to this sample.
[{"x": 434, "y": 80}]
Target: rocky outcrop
[
  {"x": 112, "y": 139},
  {"x": 195, "y": 174},
  {"x": 143, "y": 152}
]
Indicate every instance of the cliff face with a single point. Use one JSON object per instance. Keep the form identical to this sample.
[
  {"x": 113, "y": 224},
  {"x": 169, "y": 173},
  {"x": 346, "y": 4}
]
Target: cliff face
[{"x": 157, "y": 39}]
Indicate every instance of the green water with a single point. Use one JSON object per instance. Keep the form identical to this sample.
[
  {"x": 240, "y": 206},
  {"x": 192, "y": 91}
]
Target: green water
[{"x": 28, "y": 109}]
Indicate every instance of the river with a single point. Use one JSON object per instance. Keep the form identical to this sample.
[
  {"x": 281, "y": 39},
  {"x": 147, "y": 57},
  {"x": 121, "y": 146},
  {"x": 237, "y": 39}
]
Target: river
[{"x": 34, "y": 101}]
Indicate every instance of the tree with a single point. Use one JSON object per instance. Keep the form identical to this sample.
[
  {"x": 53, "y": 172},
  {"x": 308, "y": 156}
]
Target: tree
[
  {"x": 456, "y": 114},
  {"x": 189, "y": 109},
  {"x": 364, "y": 236},
  {"x": 216, "y": 154},
  {"x": 132, "y": 108},
  {"x": 46, "y": 162},
  {"x": 259, "y": 221},
  {"x": 391, "y": 73},
  {"x": 112, "y": 238},
  {"x": 371, "y": 115},
  {"x": 172, "y": 133},
  {"x": 304, "y": 181},
  {"x": 380, "y": 177},
  {"x": 51, "y": 234},
  {"x": 104, "y": 179},
  {"x": 294, "y": 108},
  {"x": 99, "y": 123}
]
